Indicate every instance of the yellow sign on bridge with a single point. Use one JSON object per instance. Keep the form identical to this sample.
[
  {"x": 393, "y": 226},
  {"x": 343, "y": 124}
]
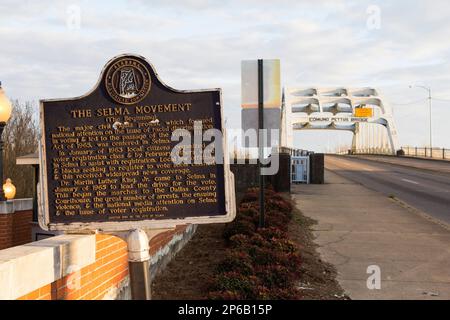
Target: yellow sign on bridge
[{"x": 364, "y": 112}]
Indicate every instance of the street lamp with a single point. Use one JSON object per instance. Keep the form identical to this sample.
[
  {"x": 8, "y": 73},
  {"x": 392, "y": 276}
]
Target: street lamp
[
  {"x": 428, "y": 89},
  {"x": 5, "y": 114},
  {"x": 9, "y": 189}
]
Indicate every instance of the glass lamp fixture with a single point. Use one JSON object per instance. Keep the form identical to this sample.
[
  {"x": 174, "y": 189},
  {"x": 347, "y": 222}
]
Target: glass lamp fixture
[
  {"x": 5, "y": 106},
  {"x": 9, "y": 189}
]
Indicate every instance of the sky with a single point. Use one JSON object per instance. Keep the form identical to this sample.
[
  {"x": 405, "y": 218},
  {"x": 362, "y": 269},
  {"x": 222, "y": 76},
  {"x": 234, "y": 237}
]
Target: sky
[{"x": 56, "y": 49}]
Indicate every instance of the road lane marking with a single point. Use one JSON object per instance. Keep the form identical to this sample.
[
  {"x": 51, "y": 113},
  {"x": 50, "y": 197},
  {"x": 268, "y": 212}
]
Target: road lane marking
[{"x": 410, "y": 181}]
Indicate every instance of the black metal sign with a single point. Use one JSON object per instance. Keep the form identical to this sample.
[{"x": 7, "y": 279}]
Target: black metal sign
[{"x": 107, "y": 157}]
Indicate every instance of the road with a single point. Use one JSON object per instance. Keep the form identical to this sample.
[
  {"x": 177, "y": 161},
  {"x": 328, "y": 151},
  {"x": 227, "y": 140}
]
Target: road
[{"x": 423, "y": 185}]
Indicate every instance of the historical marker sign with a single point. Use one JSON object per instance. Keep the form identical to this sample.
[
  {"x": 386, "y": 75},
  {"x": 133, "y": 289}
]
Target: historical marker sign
[{"x": 106, "y": 157}]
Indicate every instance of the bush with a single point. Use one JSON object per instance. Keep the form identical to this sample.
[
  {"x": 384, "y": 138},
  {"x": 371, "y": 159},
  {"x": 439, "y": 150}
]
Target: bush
[
  {"x": 282, "y": 206},
  {"x": 249, "y": 212},
  {"x": 285, "y": 294},
  {"x": 245, "y": 242},
  {"x": 236, "y": 261},
  {"x": 284, "y": 245},
  {"x": 225, "y": 295},
  {"x": 242, "y": 285},
  {"x": 239, "y": 226},
  {"x": 275, "y": 276},
  {"x": 292, "y": 262},
  {"x": 264, "y": 256},
  {"x": 277, "y": 220},
  {"x": 250, "y": 197},
  {"x": 260, "y": 263},
  {"x": 272, "y": 233},
  {"x": 239, "y": 240}
]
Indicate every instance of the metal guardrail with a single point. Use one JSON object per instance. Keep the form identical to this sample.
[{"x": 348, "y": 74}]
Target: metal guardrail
[
  {"x": 294, "y": 152},
  {"x": 431, "y": 153}
]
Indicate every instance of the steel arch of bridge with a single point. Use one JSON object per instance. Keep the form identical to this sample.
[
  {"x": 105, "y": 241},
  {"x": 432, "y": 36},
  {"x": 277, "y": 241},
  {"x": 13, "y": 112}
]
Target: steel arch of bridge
[{"x": 334, "y": 109}]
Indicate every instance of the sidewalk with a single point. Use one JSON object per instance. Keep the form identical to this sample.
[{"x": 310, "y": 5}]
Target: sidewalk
[{"x": 358, "y": 228}]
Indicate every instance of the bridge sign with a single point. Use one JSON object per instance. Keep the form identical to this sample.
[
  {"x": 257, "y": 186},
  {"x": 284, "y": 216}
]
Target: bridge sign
[
  {"x": 363, "y": 112},
  {"x": 107, "y": 158}
]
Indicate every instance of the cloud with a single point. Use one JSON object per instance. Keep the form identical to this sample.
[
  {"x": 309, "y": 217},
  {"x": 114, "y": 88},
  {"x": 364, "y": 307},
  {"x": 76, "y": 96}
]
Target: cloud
[{"x": 199, "y": 44}]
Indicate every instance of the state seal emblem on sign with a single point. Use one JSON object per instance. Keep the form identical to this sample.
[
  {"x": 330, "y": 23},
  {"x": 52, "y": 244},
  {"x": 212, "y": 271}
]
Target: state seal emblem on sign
[{"x": 127, "y": 81}]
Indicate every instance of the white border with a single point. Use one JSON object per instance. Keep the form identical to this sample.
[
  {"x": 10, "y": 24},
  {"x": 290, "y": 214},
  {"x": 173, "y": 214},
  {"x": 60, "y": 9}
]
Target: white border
[{"x": 44, "y": 219}]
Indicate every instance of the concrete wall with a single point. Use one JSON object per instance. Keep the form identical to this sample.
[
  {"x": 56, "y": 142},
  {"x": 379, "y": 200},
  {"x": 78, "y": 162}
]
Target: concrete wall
[
  {"x": 317, "y": 168},
  {"x": 80, "y": 267},
  {"x": 247, "y": 175}
]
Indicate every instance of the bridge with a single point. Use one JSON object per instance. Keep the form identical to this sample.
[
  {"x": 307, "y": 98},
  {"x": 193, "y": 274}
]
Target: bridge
[
  {"x": 418, "y": 176},
  {"x": 361, "y": 111},
  {"x": 381, "y": 205}
]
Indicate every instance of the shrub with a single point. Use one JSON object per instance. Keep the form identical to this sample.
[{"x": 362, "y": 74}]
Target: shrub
[
  {"x": 239, "y": 240},
  {"x": 263, "y": 256},
  {"x": 260, "y": 263},
  {"x": 242, "y": 285},
  {"x": 292, "y": 262},
  {"x": 272, "y": 233},
  {"x": 284, "y": 245},
  {"x": 275, "y": 276},
  {"x": 236, "y": 261},
  {"x": 249, "y": 212},
  {"x": 280, "y": 205},
  {"x": 279, "y": 216},
  {"x": 285, "y": 294},
  {"x": 257, "y": 240},
  {"x": 278, "y": 197},
  {"x": 250, "y": 197},
  {"x": 246, "y": 243},
  {"x": 246, "y": 219},
  {"x": 225, "y": 295},
  {"x": 239, "y": 226},
  {"x": 276, "y": 220}
]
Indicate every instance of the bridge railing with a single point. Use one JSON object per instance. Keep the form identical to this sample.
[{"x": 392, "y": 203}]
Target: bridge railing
[
  {"x": 432, "y": 153},
  {"x": 291, "y": 151}
]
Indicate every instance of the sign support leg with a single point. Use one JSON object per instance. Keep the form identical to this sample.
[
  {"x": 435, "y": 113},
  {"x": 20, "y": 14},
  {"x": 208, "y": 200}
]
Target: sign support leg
[
  {"x": 139, "y": 260},
  {"x": 261, "y": 141}
]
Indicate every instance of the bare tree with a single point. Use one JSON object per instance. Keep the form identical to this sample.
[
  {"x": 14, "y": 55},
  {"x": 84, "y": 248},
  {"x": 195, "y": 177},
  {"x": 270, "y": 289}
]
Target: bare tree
[{"x": 21, "y": 138}]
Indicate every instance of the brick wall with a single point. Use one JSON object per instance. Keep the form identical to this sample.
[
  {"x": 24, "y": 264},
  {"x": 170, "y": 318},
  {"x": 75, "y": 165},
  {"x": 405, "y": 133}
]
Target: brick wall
[
  {"x": 158, "y": 242},
  {"x": 166, "y": 245},
  {"x": 107, "y": 276},
  {"x": 104, "y": 270},
  {"x": 15, "y": 223}
]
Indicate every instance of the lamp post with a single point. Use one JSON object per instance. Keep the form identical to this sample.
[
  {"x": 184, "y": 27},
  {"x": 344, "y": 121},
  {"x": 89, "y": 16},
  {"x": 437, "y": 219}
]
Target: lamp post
[
  {"x": 428, "y": 89},
  {"x": 5, "y": 114}
]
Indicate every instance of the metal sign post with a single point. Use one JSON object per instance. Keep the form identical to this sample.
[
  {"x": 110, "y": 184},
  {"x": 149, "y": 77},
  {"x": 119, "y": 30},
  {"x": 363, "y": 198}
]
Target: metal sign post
[
  {"x": 261, "y": 140},
  {"x": 139, "y": 264},
  {"x": 261, "y": 110}
]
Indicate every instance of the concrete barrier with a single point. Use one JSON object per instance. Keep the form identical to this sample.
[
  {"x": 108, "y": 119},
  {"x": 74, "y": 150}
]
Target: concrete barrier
[
  {"x": 317, "y": 168},
  {"x": 80, "y": 267},
  {"x": 246, "y": 175}
]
